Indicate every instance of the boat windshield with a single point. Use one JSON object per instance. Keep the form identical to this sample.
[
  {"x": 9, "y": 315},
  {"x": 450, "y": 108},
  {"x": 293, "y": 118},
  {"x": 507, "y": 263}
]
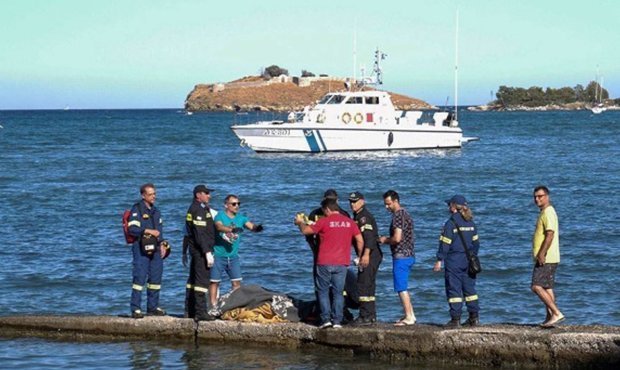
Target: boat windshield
[
  {"x": 325, "y": 99},
  {"x": 337, "y": 99}
]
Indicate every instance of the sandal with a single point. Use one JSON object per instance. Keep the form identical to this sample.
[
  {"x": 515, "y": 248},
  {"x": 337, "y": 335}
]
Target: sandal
[{"x": 403, "y": 322}]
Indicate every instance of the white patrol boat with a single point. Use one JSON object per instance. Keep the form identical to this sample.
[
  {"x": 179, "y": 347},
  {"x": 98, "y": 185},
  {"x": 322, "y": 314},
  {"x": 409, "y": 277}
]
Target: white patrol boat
[{"x": 353, "y": 121}]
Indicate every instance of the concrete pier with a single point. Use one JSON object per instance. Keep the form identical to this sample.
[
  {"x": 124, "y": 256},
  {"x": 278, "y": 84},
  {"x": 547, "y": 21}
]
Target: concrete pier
[{"x": 486, "y": 345}]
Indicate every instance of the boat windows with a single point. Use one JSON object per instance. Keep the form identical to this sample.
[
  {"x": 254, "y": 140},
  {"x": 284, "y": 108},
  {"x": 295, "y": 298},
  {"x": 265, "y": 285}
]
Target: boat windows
[
  {"x": 325, "y": 99},
  {"x": 355, "y": 100},
  {"x": 372, "y": 100},
  {"x": 337, "y": 99}
]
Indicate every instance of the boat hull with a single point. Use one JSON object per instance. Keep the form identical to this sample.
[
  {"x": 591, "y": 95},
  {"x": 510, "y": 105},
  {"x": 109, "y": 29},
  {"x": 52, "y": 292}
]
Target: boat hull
[{"x": 269, "y": 137}]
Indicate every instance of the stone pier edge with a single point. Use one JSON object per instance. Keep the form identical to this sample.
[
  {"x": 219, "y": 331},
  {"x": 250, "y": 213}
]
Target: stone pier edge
[{"x": 594, "y": 346}]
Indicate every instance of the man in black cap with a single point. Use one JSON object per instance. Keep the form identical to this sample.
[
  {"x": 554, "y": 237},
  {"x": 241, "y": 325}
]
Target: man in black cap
[
  {"x": 369, "y": 261},
  {"x": 200, "y": 231}
]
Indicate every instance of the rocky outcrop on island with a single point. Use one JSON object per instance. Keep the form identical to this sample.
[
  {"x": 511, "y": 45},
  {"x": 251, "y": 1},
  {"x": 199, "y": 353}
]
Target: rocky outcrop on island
[{"x": 280, "y": 94}]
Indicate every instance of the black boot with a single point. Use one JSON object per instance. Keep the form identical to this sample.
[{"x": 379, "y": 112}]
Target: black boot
[
  {"x": 455, "y": 322},
  {"x": 473, "y": 319},
  {"x": 200, "y": 304}
]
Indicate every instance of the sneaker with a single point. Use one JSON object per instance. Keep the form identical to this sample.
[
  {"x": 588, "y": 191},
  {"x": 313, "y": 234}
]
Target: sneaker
[
  {"x": 137, "y": 314},
  {"x": 454, "y": 323},
  {"x": 325, "y": 325},
  {"x": 156, "y": 312},
  {"x": 204, "y": 317},
  {"x": 337, "y": 326}
]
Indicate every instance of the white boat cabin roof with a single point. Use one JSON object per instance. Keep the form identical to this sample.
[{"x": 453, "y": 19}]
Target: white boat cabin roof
[{"x": 355, "y": 97}]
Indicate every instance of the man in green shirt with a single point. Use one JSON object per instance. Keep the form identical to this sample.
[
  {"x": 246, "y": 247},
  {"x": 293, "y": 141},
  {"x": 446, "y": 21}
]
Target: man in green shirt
[{"x": 546, "y": 253}]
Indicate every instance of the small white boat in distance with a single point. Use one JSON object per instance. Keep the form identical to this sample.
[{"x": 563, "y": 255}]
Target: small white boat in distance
[{"x": 353, "y": 121}]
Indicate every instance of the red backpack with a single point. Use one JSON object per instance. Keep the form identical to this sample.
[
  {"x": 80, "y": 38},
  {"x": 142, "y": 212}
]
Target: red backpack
[{"x": 130, "y": 239}]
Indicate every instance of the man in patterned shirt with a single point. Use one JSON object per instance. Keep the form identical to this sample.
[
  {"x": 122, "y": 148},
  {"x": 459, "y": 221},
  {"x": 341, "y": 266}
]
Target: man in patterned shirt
[{"x": 403, "y": 257}]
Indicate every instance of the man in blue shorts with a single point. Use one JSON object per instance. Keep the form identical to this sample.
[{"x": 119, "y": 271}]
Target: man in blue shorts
[
  {"x": 229, "y": 224},
  {"x": 401, "y": 241}
]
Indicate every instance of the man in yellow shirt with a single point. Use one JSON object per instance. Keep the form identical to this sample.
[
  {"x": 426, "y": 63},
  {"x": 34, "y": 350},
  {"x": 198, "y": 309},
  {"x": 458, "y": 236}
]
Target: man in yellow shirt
[{"x": 546, "y": 252}]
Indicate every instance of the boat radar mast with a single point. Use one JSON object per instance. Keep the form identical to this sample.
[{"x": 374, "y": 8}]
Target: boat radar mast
[{"x": 376, "y": 78}]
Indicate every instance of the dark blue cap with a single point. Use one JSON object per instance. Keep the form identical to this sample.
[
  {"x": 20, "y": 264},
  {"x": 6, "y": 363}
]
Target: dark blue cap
[{"x": 458, "y": 200}]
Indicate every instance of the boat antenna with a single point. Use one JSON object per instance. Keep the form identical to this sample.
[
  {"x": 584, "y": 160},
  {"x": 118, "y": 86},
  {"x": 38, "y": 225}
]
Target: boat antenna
[
  {"x": 353, "y": 81},
  {"x": 456, "y": 68}
]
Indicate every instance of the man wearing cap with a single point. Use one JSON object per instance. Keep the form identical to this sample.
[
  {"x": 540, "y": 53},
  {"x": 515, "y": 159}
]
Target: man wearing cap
[
  {"x": 459, "y": 283},
  {"x": 369, "y": 260},
  {"x": 401, "y": 242},
  {"x": 201, "y": 237},
  {"x": 146, "y": 225},
  {"x": 546, "y": 253}
]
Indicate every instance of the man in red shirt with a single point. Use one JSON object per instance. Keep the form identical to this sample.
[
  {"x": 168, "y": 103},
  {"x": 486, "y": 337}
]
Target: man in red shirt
[{"x": 336, "y": 232}]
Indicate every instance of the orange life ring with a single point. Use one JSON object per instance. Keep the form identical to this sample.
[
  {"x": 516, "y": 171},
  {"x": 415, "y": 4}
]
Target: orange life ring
[
  {"x": 346, "y": 117},
  {"x": 358, "y": 118}
]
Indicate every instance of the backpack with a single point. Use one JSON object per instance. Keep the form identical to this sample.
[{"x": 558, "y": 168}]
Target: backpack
[{"x": 130, "y": 239}]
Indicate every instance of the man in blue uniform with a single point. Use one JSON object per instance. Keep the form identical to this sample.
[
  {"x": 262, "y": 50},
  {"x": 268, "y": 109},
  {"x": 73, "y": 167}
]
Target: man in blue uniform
[
  {"x": 459, "y": 283},
  {"x": 145, "y": 224},
  {"x": 201, "y": 237},
  {"x": 369, "y": 261}
]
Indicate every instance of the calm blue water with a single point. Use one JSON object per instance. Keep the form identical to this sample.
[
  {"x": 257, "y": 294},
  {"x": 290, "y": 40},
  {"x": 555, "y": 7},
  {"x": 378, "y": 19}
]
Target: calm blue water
[{"x": 66, "y": 177}]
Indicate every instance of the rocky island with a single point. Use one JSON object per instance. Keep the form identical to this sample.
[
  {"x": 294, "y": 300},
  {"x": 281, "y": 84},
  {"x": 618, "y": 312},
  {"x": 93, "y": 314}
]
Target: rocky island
[{"x": 280, "y": 93}]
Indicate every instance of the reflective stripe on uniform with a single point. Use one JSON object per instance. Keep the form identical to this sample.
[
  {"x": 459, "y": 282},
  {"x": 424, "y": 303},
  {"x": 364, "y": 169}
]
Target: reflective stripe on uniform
[
  {"x": 189, "y": 286},
  {"x": 471, "y": 298},
  {"x": 153, "y": 286},
  {"x": 344, "y": 293},
  {"x": 365, "y": 227},
  {"x": 137, "y": 287},
  {"x": 445, "y": 240},
  {"x": 200, "y": 223},
  {"x": 455, "y": 300},
  {"x": 367, "y": 299},
  {"x": 474, "y": 238},
  {"x": 200, "y": 289},
  {"x": 134, "y": 223},
  {"x": 188, "y": 217}
]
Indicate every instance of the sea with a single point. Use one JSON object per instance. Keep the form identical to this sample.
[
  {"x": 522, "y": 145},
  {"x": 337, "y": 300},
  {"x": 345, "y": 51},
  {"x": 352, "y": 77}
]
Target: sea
[{"x": 67, "y": 176}]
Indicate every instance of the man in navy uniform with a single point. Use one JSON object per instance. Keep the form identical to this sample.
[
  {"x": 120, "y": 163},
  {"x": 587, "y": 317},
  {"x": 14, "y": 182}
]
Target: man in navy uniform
[
  {"x": 145, "y": 223},
  {"x": 369, "y": 261}
]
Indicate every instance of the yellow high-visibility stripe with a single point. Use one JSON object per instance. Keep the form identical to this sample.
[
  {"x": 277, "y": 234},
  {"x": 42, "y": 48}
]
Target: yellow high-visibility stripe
[
  {"x": 189, "y": 286},
  {"x": 188, "y": 217},
  {"x": 475, "y": 237},
  {"x": 344, "y": 293},
  {"x": 200, "y": 223},
  {"x": 134, "y": 223},
  {"x": 137, "y": 287},
  {"x": 445, "y": 240},
  {"x": 367, "y": 299},
  {"x": 471, "y": 298},
  {"x": 455, "y": 300},
  {"x": 153, "y": 286},
  {"x": 365, "y": 227},
  {"x": 200, "y": 289}
]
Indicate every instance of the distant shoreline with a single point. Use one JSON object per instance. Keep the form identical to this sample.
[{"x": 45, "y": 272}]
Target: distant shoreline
[{"x": 541, "y": 108}]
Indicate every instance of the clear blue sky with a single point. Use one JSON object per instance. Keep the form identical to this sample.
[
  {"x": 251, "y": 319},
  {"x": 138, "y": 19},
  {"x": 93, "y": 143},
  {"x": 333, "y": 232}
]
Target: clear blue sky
[{"x": 150, "y": 54}]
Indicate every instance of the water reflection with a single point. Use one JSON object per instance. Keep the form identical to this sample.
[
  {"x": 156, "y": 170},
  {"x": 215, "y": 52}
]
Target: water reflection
[{"x": 145, "y": 356}]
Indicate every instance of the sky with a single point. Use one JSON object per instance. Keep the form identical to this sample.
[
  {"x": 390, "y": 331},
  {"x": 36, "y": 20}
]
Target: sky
[{"x": 151, "y": 53}]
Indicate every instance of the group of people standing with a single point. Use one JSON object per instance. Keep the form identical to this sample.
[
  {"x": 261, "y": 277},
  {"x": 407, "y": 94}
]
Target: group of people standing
[{"x": 212, "y": 240}]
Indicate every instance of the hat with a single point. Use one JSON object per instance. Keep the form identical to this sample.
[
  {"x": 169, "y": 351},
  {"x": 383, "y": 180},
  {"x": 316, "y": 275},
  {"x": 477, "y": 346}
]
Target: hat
[
  {"x": 330, "y": 193},
  {"x": 355, "y": 196},
  {"x": 459, "y": 200},
  {"x": 202, "y": 189}
]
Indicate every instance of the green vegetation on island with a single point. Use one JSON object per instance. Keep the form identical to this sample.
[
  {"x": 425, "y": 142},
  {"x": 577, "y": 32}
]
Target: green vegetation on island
[{"x": 535, "y": 96}]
